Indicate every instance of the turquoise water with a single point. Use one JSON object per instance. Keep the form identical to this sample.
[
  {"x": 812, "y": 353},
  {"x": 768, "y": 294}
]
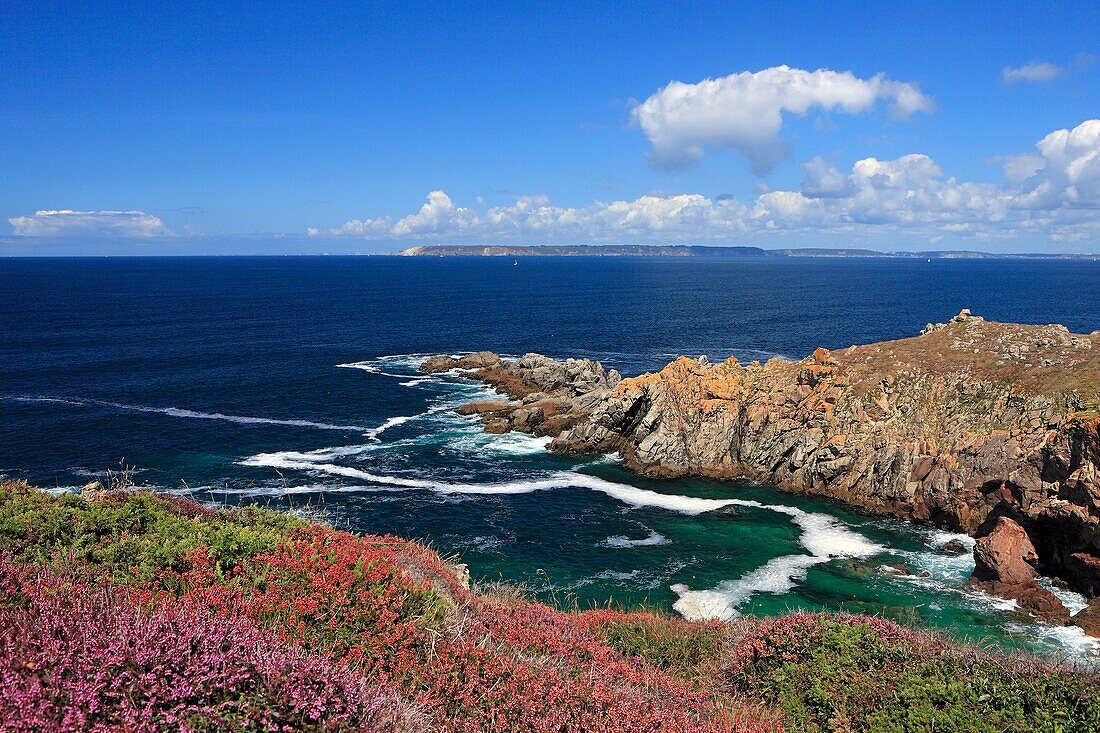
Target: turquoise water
[{"x": 268, "y": 381}]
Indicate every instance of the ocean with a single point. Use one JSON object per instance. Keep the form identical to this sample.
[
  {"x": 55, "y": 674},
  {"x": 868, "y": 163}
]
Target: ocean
[{"x": 292, "y": 383}]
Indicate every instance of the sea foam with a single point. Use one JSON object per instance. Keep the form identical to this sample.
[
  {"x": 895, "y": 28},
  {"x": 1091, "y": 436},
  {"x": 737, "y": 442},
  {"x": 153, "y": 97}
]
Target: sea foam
[
  {"x": 392, "y": 422},
  {"x": 823, "y": 537},
  {"x": 654, "y": 539}
]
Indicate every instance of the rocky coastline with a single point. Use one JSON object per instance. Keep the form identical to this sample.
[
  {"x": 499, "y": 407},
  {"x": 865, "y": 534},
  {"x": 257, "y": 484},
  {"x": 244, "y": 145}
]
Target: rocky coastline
[{"x": 992, "y": 429}]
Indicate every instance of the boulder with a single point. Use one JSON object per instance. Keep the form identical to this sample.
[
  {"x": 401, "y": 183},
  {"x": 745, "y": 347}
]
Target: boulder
[
  {"x": 1005, "y": 555},
  {"x": 1004, "y": 563},
  {"x": 526, "y": 419},
  {"x": 89, "y": 490},
  {"x": 1089, "y": 618},
  {"x": 497, "y": 425},
  {"x": 483, "y": 407},
  {"x": 438, "y": 363}
]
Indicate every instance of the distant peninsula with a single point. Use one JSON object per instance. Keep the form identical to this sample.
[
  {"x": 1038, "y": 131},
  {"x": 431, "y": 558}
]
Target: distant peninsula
[{"x": 694, "y": 250}]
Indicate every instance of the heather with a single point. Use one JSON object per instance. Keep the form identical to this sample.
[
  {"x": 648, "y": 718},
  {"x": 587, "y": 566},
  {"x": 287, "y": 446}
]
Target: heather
[
  {"x": 129, "y": 611},
  {"x": 77, "y": 655}
]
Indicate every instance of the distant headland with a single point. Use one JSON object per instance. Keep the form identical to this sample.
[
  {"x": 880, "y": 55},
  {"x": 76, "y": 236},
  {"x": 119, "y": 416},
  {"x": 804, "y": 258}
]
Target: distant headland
[{"x": 694, "y": 250}]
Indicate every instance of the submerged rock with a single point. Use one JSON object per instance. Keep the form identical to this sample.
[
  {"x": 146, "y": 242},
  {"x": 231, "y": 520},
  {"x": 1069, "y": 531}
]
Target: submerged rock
[{"x": 954, "y": 547}]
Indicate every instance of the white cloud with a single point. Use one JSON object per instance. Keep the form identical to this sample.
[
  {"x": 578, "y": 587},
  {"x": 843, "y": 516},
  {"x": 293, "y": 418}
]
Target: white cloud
[
  {"x": 823, "y": 180},
  {"x": 67, "y": 223},
  {"x": 1034, "y": 72},
  {"x": 1054, "y": 193},
  {"x": 355, "y": 228},
  {"x": 1019, "y": 168},
  {"x": 439, "y": 214},
  {"x": 745, "y": 111},
  {"x": 1070, "y": 173}
]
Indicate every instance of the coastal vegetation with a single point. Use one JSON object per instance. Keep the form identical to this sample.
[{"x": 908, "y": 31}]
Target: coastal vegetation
[{"x": 125, "y": 610}]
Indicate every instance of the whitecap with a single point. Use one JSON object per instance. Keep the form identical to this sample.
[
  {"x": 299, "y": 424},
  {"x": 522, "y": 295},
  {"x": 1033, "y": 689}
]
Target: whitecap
[
  {"x": 1073, "y": 639},
  {"x": 392, "y": 422},
  {"x": 1074, "y": 602},
  {"x": 652, "y": 540},
  {"x": 510, "y": 443},
  {"x": 371, "y": 368}
]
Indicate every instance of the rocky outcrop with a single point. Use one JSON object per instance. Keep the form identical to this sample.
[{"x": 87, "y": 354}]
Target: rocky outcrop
[
  {"x": 445, "y": 363},
  {"x": 965, "y": 424},
  {"x": 548, "y": 396}
]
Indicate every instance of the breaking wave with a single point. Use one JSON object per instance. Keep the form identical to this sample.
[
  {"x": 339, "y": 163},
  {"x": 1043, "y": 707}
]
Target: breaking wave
[{"x": 630, "y": 495}]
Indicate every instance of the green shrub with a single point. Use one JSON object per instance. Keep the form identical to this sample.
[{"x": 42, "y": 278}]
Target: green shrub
[
  {"x": 848, "y": 673},
  {"x": 679, "y": 647},
  {"x": 132, "y": 537}
]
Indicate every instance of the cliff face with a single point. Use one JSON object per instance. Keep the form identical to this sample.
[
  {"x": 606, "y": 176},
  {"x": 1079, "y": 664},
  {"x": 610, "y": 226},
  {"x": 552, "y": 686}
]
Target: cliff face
[{"x": 968, "y": 422}]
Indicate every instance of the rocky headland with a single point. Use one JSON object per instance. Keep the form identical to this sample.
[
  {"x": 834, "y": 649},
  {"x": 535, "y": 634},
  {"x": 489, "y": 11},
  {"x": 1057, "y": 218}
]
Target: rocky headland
[{"x": 987, "y": 428}]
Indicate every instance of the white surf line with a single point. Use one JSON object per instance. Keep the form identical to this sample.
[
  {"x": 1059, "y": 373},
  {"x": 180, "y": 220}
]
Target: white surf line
[
  {"x": 630, "y": 495},
  {"x": 371, "y": 366},
  {"x": 195, "y": 414},
  {"x": 823, "y": 536}
]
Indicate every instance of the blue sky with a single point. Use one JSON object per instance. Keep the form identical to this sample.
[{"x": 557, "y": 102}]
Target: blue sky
[{"x": 205, "y": 128}]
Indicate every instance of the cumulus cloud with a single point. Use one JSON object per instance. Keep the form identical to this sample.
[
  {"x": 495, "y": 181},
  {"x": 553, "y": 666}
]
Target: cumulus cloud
[
  {"x": 68, "y": 223},
  {"x": 1034, "y": 72},
  {"x": 745, "y": 111},
  {"x": 438, "y": 214},
  {"x": 823, "y": 180},
  {"x": 1069, "y": 172},
  {"x": 908, "y": 191},
  {"x": 1054, "y": 192}
]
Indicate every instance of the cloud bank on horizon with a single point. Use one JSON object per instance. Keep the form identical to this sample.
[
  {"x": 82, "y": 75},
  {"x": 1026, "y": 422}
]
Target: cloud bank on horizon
[
  {"x": 1053, "y": 192},
  {"x": 68, "y": 223}
]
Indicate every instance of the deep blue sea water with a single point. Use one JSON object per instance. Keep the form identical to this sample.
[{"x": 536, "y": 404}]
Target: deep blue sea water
[{"x": 292, "y": 382}]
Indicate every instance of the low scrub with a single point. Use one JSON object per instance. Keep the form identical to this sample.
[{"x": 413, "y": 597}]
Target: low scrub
[
  {"x": 385, "y": 611},
  {"x": 852, "y": 673},
  {"x": 135, "y": 612}
]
